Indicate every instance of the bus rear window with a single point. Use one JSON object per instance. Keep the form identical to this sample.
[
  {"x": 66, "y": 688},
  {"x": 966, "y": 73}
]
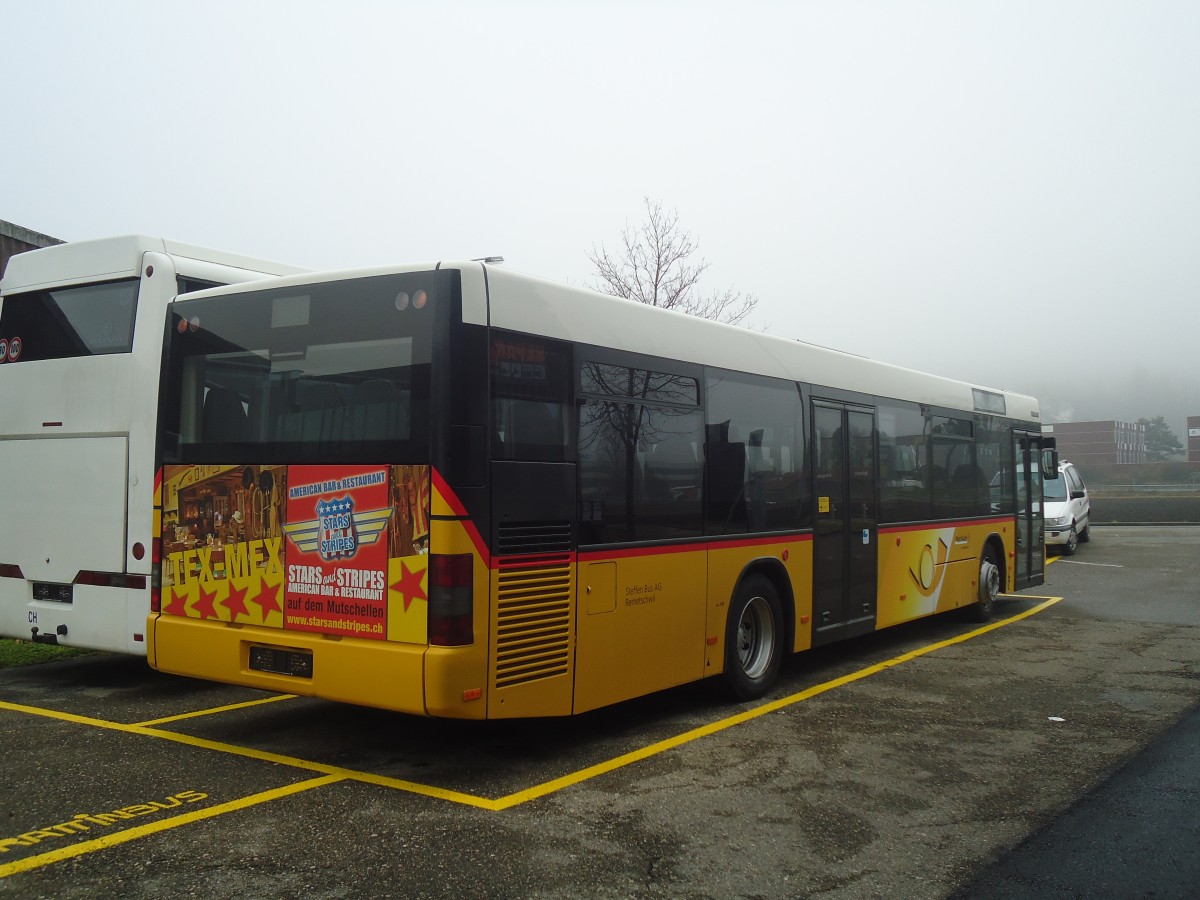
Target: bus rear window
[
  {"x": 86, "y": 320},
  {"x": 335, "y": 372}
]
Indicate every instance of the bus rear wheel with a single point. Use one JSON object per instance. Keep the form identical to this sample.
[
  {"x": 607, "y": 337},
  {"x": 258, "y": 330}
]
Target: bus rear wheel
[{"x": 753, "y": 639}]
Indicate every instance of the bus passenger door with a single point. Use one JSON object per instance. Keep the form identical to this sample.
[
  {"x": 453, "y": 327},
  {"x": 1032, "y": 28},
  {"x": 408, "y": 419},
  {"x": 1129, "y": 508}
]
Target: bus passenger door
[
  {"x": 846, "y": 521},
  {"x": 1030, "y": 561}
]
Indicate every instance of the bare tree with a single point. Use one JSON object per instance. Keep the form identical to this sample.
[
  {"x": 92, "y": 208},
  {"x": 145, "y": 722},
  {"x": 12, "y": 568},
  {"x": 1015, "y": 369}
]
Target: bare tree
[{"x": 656, "y": 266}]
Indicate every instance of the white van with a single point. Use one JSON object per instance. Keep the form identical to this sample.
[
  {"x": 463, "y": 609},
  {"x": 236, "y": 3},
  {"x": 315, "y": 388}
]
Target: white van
[{"x": 1067, "y": 509}]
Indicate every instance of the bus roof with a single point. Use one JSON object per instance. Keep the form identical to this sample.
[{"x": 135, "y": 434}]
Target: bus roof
[
  {"x": 115, "y": 257},
  {"x": 525, "y": 303}
]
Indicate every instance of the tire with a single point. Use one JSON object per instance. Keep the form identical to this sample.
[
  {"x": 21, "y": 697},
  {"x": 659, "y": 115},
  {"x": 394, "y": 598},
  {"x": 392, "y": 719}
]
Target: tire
[
  {"x": 1086, "y": 534},
  {"x": 984, "y": 606},
  {"x": 1072, "y": 544},
  {"x": 753, "y": 639}
]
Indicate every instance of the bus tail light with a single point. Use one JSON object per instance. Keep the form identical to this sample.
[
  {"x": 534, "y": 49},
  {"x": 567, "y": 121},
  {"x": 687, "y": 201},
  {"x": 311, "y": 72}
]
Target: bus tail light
[
  {"x": 10, "y": 570},
  {"x": 451, "y": 599},
  {"x": 156, "y": 576},
  {"x": 112, "y": 579}
]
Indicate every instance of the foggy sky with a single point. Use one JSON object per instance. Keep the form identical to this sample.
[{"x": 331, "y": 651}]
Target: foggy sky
[{"x": 1002, "y": 192}]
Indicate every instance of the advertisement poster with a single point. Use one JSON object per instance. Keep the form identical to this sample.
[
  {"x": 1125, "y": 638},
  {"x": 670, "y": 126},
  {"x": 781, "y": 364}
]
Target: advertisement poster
[
  {"x": 337, "y": 558},
  {"x": 329, "y": 549},
  {"x": 222, "y": 543}
]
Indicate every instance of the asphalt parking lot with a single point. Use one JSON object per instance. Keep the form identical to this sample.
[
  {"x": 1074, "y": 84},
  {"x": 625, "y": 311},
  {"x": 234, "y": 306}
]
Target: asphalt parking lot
[{"x": 903, "y": 764}]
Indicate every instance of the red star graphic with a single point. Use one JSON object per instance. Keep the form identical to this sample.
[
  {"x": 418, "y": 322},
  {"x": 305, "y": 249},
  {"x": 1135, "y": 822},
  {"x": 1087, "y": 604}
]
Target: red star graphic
[
  {"x": 268, "y": 602},
  {"x": 236, "y": 602},
  {"x": 176, "y": 604},
  {"x": 410, "y": 585},
  {"x": 204, "y": 605}
]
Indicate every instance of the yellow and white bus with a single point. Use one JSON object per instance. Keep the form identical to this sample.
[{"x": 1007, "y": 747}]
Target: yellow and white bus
[
  {"x": 456, "y": 490},
  {"x": 81, "y": 329}
]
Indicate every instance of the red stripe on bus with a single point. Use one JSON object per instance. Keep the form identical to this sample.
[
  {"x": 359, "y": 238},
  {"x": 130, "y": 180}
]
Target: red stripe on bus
[
  {"x": 698, "y": 547},
  {"x": 456, "y": 506},
  {"x": 728, "y": 543},
  {"x": 937, "y": 526}
]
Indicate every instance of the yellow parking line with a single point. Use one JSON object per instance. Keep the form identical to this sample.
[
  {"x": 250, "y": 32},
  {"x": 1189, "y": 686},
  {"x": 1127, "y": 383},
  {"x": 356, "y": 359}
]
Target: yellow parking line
[
  {"x": 140, "y": 831},
  {"x": 549, "y": 787},
  {"x": 411, "y": 787},
  {"x": 216, "y": 709},
  {"x": 573, "y": 778}
]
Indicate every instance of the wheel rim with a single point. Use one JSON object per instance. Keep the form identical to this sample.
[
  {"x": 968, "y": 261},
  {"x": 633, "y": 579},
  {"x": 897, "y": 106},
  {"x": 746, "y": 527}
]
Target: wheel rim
[
  {"x": 1072, "y": 541},
  {"x": 989, "y": 581},
  {"x": 756, "y": 637}
]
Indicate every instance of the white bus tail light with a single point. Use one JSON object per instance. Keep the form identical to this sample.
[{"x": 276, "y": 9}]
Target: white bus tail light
[
  {"x": 451, "y": 599},
  {"x": 112, "y": 579}
]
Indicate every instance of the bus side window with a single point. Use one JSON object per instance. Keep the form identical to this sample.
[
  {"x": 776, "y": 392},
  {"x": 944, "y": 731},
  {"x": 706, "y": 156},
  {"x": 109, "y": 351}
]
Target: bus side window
[
  {"x": 639, "y": 471},
  {"x": 531, "y": 385},
  {"x": 755, "y": 454},
  {"x": 906, "y": 490},
  {"x": 725, "y": 491}
]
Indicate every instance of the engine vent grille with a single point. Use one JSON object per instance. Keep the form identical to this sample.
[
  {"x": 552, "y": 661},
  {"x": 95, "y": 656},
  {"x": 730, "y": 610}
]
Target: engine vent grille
[
  {"x": 538, "y": 537},
  {"x": 533, "y": 617}
]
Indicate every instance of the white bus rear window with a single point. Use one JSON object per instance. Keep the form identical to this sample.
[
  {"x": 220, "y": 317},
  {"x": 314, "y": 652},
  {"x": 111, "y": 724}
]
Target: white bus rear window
[{"x": 87, "y": 320}]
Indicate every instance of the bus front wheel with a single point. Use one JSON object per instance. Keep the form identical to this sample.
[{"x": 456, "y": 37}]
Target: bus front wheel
[
  {"x": 753, "y": 639},
  {"x": 989, "y": 587}
]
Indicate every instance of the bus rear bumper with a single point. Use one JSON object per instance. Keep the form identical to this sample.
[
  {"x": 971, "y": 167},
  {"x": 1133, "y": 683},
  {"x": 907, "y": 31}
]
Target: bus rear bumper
[
  {"x": 382, "y": 674},
  {"x": 96, "y": 618}
]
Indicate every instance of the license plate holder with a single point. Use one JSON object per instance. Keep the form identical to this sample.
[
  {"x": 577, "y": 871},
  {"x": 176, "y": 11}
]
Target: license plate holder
[
  {"x": 53, "y": 593},
  {"x": 281, "y": 661}
]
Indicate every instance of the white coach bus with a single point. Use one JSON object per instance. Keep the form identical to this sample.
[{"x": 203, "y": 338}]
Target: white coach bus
[{"x": 81, "y": 334}]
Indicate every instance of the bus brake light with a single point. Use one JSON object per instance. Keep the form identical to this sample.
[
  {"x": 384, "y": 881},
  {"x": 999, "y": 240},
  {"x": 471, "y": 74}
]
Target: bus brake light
[
  {"x": 112, "y": 579},
  {"x": 451, "y": 599},
  {"x": 10, "y": 570}
]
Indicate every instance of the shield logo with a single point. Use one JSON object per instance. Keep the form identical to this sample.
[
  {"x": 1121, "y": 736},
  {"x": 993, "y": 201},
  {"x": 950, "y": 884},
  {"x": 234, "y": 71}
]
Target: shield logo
[{"x": 338, "y": 536}]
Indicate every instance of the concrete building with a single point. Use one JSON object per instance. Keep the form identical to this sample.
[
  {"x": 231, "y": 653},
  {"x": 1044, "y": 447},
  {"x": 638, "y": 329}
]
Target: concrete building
[
  {"x": 1102, "y": 443},
  {"x": 14, "y": 239}
]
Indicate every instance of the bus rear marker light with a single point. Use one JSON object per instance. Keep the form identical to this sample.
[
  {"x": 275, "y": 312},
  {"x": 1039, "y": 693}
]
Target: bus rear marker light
[{"x": 472, "y": 694}]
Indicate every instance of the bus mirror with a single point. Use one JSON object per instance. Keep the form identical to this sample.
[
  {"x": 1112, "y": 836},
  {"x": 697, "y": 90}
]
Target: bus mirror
[{"x": 1050, "y": 464}]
